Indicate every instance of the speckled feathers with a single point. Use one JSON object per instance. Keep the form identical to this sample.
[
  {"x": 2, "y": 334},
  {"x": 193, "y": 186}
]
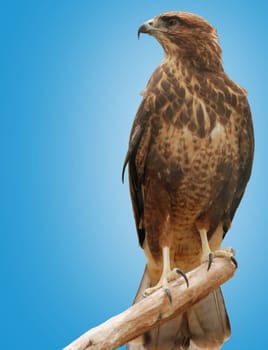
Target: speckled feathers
[
  {"x": 190, "y": 157},
  {"x": 185, "y": 145}
]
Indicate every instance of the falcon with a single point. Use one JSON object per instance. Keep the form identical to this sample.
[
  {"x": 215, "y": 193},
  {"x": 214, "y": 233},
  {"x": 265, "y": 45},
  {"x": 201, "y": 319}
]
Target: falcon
[{"x": 189, "y": 159}]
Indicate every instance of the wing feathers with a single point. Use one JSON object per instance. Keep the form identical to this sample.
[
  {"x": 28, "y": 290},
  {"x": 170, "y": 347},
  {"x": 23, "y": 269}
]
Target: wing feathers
[{"x": 133, "y": 144}]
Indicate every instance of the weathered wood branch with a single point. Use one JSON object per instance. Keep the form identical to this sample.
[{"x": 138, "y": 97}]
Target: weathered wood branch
[{"x": 156, "y": 309}]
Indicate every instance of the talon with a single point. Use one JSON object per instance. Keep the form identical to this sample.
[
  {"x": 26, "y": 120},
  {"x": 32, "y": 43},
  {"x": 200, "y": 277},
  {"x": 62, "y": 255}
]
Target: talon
[
  {"x": 210, "y": 260},
  {"x": 234, "y": 262},
  {"x": 149, "y": 291},
  {"x": 144, "y": 294},
  {"x": 180, "y": 272},
  {"x": 168, "y": 293}
]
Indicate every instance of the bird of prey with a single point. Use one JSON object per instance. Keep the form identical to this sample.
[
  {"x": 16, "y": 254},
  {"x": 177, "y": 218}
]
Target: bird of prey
[{"x": 189, "y": 158}]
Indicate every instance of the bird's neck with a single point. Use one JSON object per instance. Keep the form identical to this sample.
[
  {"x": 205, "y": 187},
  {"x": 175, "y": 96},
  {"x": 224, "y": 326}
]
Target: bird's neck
[{"x": 200, "y": 59}]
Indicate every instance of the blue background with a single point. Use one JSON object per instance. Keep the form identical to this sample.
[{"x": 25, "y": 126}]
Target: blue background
[{"x": 71, "y": 73}]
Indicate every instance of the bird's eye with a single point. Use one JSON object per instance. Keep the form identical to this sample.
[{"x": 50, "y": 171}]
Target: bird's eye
[{"x": 173, "y": 21}]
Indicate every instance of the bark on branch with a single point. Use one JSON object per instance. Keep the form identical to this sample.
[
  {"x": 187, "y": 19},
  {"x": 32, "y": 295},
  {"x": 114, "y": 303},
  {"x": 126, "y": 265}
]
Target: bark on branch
[{"x": 156, "y": 309}]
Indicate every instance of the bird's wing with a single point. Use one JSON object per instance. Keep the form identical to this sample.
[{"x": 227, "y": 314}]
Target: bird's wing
[
  {"x": 139, "y": 141},
  {"x": 246, "y": 153}
]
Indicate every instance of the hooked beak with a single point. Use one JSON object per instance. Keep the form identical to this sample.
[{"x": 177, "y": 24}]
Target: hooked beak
[{"x": 146, "y": 28}]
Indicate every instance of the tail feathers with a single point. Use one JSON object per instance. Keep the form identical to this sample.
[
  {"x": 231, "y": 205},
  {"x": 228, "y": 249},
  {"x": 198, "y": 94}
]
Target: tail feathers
[
  {"x": 205, "y": 326},
  {"x": 208, "y": 322}
]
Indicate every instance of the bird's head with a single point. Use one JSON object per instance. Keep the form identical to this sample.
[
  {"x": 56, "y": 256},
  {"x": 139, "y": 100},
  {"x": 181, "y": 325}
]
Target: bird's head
[{"x": 186, "y": 37}]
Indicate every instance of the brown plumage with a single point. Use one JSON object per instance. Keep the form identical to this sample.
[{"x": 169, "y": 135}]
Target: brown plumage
[{"x": 190, "y": 156}]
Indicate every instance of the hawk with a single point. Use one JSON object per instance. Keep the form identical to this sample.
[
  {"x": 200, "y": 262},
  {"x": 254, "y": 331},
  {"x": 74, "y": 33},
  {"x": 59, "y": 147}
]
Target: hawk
[{"x": 189, "y": 158}]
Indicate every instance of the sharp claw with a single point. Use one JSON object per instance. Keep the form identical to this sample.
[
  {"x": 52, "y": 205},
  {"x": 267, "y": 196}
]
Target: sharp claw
[
  {"x": 144, "y": 294},
  {"x": 180, "y": 272},
  {"x": 210, "y": 260},
  {"x": 234, "y": 262},
  {"x": 168, "y": 293}
]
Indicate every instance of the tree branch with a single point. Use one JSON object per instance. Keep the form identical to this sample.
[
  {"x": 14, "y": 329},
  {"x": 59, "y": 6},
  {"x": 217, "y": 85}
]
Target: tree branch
[{"x": 156, "y": 309}]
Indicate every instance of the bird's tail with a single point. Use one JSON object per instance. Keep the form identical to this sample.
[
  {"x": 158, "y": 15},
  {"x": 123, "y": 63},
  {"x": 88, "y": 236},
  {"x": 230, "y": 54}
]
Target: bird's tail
[{"x": 205, "y": 326}]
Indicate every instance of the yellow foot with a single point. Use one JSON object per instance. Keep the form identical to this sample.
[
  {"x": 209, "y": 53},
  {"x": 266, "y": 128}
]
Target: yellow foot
[
  {"x": 208, "y": 255},
  {"x": 163, "y": 283},
  {"x": 226, "y": 253},
  {"x": 221, "y": 253},
  {"x": 167, "y": 276}
]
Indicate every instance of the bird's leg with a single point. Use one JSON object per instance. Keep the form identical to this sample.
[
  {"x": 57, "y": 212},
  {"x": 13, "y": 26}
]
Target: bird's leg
[
  {"x": 208, "y": 255},
  {"x": 163, "y": 281},
  {"x": 166, "y": 276},
  {"x": 206, "y": 252}
]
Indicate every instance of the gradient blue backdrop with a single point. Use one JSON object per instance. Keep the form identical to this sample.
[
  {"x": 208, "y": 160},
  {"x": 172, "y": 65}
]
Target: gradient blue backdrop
[{"x": 71, "y": 73}]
